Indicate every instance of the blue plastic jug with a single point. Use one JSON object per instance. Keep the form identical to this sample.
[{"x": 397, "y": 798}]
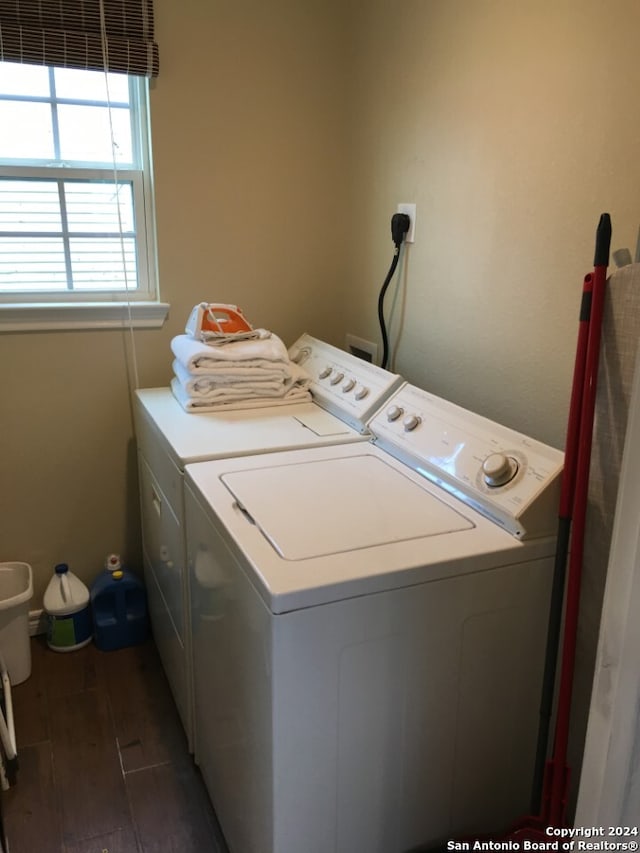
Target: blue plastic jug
[{"x": 119, "y": 606}]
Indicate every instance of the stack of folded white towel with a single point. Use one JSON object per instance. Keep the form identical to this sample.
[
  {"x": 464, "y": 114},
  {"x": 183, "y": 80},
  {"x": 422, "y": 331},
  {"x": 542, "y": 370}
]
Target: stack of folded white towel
[{"x": 253, "y": 371}]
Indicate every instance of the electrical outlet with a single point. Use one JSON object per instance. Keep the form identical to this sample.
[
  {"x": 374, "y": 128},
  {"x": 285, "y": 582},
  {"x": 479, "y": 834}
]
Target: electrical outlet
[
  {"x": 410, "y": 210},
  {"x": 365, "y": 350}
]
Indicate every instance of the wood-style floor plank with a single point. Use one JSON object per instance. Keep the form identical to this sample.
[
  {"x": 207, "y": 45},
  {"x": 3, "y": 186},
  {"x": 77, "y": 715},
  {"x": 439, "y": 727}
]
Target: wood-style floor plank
[
  {"x": 30, "y": 699},
  {"x": 170, "y": 810},
  {"x": 31, "y": 808},
  {"x": 87, "y": 767},
  {"x": 120, "y": 841},
  {"x": 145, "y": 717},
  {"x": 68, "y": 673}
]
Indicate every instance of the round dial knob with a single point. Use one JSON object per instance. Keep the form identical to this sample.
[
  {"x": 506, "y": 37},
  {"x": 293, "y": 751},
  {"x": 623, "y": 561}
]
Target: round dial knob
[
  {"x": 410, "y": 422},
  {"x": 336, "y": 378},
  {"x": 348, "y": 385},
  {"x": 499, "y": 469},
  {"x": 325, "y": 372},
  {"x": 394, "y": 412},
  {"x": 361, "y": 392}
]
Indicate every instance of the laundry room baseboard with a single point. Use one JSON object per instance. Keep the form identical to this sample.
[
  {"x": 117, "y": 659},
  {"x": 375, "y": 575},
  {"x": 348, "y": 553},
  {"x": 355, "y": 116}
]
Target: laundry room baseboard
[{"x": 37, "y": 622}]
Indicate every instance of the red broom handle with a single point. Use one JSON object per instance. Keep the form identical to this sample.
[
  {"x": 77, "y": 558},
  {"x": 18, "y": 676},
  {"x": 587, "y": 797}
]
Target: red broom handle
[
  {"x": 557, "y": 804},
  {"x": 567, "y": 491}
]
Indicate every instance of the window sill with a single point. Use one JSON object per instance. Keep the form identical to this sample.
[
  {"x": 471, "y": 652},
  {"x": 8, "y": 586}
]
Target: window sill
[{"x": 86, "y": 315}]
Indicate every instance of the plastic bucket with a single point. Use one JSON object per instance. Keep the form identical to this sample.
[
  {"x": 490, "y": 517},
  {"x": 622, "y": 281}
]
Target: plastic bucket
[{"x": 16, "y": 591}]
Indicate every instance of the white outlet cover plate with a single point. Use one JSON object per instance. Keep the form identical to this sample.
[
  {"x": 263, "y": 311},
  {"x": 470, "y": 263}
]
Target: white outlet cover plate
[{"x": 410, "y": 210}]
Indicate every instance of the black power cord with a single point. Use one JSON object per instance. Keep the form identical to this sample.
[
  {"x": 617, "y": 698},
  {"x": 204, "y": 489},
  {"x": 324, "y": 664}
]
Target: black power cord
[{"x": 400, "y": 224}]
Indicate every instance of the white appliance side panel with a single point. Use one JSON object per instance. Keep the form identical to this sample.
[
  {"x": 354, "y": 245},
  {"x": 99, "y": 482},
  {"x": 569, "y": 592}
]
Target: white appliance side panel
[
  {"x": 156, "y": 450},
  {"x": 166, "y": 581},
  {"x": 163, "y": 542},
  {"x": 232, "y": 688},
  {"x": 171, "y": 650},
  {"x": 404, "y": 718}
]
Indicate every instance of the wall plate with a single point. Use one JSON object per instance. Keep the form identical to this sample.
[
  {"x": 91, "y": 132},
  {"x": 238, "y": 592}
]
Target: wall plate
[
  {"x": 366, "y": 350},
  {"x": 410, "y": 210}
]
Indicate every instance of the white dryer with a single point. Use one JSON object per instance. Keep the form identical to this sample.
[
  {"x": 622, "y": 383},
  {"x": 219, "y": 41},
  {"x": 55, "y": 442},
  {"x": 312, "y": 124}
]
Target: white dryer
[
  {"x": 346, "y": 392},
  {"x": 369, "y": 624}
]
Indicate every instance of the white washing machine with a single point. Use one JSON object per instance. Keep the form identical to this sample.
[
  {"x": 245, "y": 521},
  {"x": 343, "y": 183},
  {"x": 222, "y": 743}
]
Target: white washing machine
[
  {"x": 346, "y": 391},
  {"x": 369, "y": 623}
]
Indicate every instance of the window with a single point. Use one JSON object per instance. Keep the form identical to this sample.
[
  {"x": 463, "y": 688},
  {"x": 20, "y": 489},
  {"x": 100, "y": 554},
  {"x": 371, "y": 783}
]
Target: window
[{"x": 76, "y": 206}]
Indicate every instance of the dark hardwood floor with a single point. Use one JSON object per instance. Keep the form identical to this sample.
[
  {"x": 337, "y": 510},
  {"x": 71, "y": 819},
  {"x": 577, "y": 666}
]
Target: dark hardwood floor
[{"x": 103, "y": 760}]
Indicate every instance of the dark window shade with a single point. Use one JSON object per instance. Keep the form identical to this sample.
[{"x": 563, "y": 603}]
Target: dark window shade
[{"x": 69, "y": 34}]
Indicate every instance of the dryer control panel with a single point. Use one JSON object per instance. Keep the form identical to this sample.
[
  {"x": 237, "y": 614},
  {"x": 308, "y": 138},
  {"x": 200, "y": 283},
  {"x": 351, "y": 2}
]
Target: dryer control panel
[
  {"x": 342, "y": 383},
  {"x": 510, "y": 478}
]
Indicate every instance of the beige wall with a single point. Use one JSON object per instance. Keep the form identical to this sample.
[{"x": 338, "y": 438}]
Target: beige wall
[
  {"x": 250, "y": 137},
  {"x": 512, "y": 126},
  {"x": 249, "y": 144}
]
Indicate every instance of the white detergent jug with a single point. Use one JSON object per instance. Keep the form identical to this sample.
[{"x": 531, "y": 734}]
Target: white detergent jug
[{"x": 66, "y": 603}]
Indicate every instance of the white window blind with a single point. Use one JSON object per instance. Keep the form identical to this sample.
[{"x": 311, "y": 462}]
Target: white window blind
[{"x": 76, "y": 206}]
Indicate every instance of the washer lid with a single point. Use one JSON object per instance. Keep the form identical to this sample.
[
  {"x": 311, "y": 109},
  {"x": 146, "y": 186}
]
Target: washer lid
[{"x": 316, "y": 508}]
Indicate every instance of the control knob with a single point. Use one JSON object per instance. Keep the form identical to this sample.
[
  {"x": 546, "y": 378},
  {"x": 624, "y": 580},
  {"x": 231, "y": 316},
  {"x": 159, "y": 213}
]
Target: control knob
[
  {"x": 499, "y": 469},
  {"x": 325, "y": 372},
  {"x": 348, "y": 385},
  {"x": 336, "y": 378},
  {"x": 411, "y": 422},
  {"x": 394, "y": 412},
  {"x": 361, "y": 392}
]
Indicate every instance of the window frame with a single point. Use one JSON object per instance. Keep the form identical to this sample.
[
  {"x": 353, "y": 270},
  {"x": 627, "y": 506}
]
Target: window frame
[{"x": 136, "y": 305}]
